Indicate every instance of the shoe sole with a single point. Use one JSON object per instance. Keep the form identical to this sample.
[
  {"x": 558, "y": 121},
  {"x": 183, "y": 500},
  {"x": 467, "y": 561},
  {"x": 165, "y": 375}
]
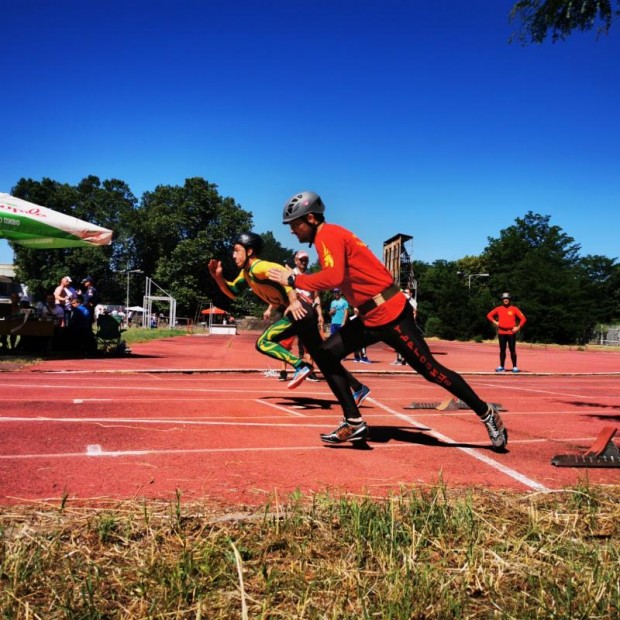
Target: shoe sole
[
  {"x": 297, "y": 381},
  {"x": 362, "y": 398}
]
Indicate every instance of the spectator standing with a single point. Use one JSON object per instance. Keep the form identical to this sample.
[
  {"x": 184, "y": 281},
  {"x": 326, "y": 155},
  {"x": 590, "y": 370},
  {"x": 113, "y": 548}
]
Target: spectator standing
[
  {"x": 509, "y": 320},
  {"x": 63, "y": 294},
  {"x": 301, "y": 266},
  {"x": 338, "y": 310},
  {"x": 91, "y": 296}
]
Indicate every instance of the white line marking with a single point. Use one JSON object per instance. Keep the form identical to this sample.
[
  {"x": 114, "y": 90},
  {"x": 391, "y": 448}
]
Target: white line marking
[
  {"x": 532, "y": 484},
  {"x": 134, "y": 421},
  {"x": 280, "y": 408}
]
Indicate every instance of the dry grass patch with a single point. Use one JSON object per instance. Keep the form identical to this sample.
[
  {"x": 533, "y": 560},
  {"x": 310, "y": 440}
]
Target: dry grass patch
[{"x": 425, "y": 553}]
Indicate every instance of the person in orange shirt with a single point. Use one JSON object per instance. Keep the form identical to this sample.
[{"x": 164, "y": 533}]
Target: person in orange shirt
[
  {"x": 509, "y": 320},
  {"x": 384, "y": 315}
]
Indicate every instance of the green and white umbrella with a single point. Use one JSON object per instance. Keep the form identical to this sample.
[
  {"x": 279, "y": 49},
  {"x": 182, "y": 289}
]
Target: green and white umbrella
[{"x": 34, "y": 226}]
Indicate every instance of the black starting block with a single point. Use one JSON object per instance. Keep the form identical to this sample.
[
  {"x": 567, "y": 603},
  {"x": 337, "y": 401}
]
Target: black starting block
[
  {"x": 603, "y": 453},
  {"x": 452, "y": 404}
]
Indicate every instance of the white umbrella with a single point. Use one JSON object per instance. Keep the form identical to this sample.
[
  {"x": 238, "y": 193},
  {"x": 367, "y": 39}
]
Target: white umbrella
[{"x": 34, "y": 226}]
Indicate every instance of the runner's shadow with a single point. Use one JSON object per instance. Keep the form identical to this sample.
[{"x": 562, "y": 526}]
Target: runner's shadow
[
  {"x": 302, "y": 402},
  {"x": 589, "y": 404},
  {"x": 406, "y": 434}
]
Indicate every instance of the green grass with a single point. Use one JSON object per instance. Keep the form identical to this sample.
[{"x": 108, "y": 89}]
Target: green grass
[
  {"x": 135, "y": 335},
  {"x": 425, "y": 553}
]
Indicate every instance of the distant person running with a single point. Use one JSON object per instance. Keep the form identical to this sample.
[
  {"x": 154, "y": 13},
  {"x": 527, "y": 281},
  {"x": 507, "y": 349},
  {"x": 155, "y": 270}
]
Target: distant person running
[
  {"x": 509, "y": 320},
  {"x": 302, "y": 321},
  {"x": 384, "y": 315}
]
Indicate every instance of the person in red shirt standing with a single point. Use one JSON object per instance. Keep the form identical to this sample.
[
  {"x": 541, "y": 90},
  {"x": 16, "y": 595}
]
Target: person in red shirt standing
[
  {"x": 509, "y": 320},
  {"x": 384, "y": 315}
]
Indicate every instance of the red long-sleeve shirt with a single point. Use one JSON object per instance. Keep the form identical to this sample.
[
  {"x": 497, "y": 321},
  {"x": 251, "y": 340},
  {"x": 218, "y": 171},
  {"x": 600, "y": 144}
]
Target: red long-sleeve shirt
[
  {"x": 348, "y": 264},
  {"x": 507, "y": 317}
]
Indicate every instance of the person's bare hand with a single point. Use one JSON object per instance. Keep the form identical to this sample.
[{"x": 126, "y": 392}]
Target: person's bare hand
[
  {"x": 280, "y": 275},
  {"x": 296, "y": 310}
]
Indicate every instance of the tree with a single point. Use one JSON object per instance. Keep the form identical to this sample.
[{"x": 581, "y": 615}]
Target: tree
[
  {"x": 561, "y": 17},
  {"x": 109, "y": 204},
  {"x": 177, "y": 230},
  {"x": 539, "y": 265}
]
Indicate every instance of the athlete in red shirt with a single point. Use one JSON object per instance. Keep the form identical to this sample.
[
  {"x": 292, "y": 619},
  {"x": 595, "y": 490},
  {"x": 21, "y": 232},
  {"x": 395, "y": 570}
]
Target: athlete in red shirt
[
  {"x": 385, "y": 315},
  {"x": 509, "y": 320}
]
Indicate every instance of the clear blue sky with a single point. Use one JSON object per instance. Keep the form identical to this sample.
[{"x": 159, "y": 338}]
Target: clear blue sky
[{"x": 406, "y": 116}]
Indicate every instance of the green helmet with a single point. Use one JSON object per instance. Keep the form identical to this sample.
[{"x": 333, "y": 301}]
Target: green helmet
[
  {"x": 301, "y": 204},
  {"x": 250, "y": 240}
]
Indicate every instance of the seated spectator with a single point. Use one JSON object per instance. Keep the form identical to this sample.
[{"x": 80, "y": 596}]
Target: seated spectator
[
  {"x": 25, "y": 311},
  {"x": 105, "y": 318},
  {"x": 48, "y": 310},
  {"x": 13, "y": 312}
]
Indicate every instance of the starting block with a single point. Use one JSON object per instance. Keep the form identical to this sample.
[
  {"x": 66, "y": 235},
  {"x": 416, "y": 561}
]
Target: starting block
[
  {"x": 603, "y": 453},
  {"x": 452, "y": 404}
]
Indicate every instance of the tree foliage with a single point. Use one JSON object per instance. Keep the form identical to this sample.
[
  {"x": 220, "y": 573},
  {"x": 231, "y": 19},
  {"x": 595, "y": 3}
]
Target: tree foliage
[
  {"x": 559, "y": 18},
  {"x": 109, "y": 204},
  {"x": 174, "y": 230},
  {"x": 170, "y": 235}
]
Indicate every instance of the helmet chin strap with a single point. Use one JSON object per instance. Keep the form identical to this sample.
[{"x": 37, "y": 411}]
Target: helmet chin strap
[
  {"x": 247, "y": 258},
  {"x": 314, "y": 227}
]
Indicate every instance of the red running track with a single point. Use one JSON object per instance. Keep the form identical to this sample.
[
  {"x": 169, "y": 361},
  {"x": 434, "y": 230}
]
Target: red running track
[{"x": 197, "y": 415}]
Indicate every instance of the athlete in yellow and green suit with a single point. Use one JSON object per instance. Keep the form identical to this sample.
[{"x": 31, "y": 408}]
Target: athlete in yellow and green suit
[{"x": 299, "y": 318}]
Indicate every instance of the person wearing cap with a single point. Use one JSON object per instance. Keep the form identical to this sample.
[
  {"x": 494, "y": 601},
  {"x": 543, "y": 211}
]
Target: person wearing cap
[
  {"x": 384, "y": 316},
  {"x": 338, "y": 310},
  {"x": 91, "y": 296},
  {"x": 301, "y": 266},
  {"x": 509, "y": 320}
]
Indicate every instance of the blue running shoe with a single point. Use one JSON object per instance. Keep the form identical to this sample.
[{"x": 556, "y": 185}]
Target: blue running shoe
[
  {"x": 361, "y": 395},
  {"x": 515, "y": 369},
  {"x": 499, "y": 369},
  {"x": 301, "y": 373}
]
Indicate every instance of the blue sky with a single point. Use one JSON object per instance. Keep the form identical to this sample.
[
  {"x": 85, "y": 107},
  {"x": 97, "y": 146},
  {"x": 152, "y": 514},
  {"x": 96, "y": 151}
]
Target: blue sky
[{"x": 406, "y": 116}]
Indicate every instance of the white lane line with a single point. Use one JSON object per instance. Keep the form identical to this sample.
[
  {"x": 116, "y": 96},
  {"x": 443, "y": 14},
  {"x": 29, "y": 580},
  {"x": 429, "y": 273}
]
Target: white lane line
[
  {"x": 512, "y": 388},
  {"x": 136, "y": 388},
  {"x": 177, "y": 421},
  {"x": 96, "y": 450},
  {"x": 508, "y": 471},
  {"x": 280, "y": 408}
]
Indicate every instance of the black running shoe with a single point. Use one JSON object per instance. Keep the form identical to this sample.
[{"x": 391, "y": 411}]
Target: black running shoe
[{"x": 496, "y": 429}]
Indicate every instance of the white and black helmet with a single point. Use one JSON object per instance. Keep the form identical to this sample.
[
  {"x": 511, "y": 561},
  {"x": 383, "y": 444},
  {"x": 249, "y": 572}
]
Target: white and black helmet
[{"x": 302, "y": 204}]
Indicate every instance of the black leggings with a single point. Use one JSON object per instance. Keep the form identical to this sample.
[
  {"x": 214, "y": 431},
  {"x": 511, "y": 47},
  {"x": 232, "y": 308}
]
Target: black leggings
[
  {"x": 405, "y": 337},
  {"x": 511, "y": 341},
  {"x": 307, "y": 330}
]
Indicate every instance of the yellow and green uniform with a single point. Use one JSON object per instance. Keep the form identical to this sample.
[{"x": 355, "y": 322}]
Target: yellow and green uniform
[{"x": 255, "y": 277}]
